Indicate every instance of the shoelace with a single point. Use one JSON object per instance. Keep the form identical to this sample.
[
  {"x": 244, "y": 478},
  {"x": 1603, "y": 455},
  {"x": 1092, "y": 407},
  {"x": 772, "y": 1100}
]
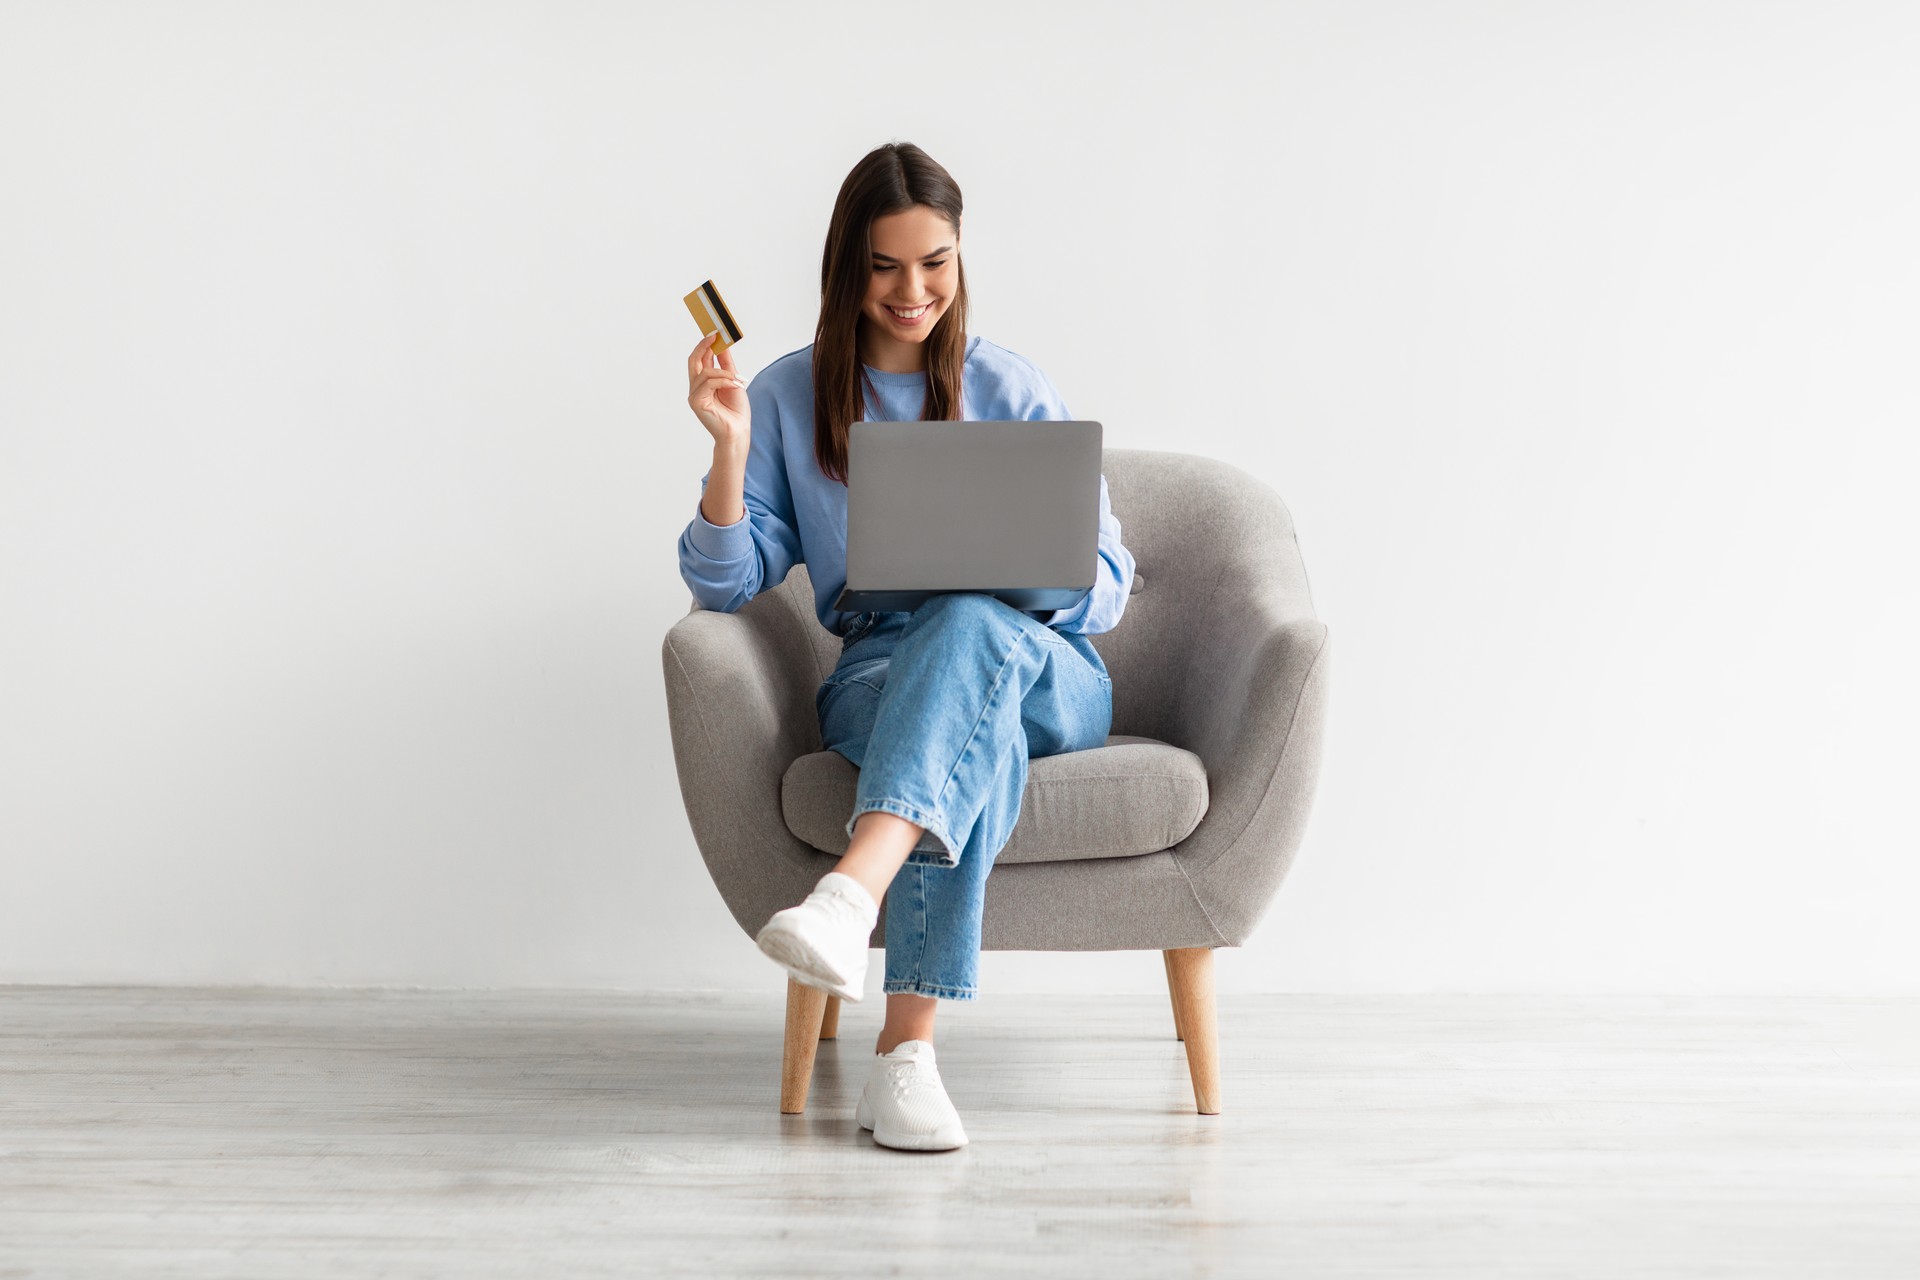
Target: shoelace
[
  {"x": 843, "y": 906},
  {"x": 911, "y": 1076}
]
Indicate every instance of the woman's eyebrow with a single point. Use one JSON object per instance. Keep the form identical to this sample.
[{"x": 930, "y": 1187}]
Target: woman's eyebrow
[{"x": 945, "y": 248}]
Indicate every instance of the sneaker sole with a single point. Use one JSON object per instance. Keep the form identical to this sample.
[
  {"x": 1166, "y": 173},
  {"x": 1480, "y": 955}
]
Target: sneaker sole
[
  {"x": 902, "y": 1141},
  {"x": 805, "y": 964}
]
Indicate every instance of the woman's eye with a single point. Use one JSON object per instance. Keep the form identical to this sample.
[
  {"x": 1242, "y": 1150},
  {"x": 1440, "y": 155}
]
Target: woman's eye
[{"x": 881, "y": 267}]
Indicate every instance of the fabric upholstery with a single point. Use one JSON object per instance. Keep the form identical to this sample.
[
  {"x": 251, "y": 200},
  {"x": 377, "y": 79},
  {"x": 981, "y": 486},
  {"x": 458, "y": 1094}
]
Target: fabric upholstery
[{"x": 1132, "y": 796}]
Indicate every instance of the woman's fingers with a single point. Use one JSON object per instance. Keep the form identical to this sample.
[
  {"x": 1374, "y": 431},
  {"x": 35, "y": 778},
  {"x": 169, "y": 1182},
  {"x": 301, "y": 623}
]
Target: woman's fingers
[
  {"x": 709, "y": 383},
  {"x": 697, "y": 360},
  {"x": 723, "y": 376}
]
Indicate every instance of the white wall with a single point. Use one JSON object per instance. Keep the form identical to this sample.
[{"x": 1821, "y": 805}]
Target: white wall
[{"x": 344, "y": 446}]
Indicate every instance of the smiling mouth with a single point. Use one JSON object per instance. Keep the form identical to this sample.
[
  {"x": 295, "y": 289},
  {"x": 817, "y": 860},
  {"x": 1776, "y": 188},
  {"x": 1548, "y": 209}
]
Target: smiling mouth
[{"x": 916, "y": 312}]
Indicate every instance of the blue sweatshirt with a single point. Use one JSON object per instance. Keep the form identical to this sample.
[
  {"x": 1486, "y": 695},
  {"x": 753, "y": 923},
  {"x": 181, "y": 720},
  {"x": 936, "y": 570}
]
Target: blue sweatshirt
[{"x": 796, "y": 514}]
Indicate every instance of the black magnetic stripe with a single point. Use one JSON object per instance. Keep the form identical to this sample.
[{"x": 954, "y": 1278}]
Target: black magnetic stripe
[{"x": 720, "y": 309}]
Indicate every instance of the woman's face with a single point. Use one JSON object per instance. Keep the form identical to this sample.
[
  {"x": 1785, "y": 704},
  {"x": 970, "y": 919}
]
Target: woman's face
[{"x": 915, "y": 272}]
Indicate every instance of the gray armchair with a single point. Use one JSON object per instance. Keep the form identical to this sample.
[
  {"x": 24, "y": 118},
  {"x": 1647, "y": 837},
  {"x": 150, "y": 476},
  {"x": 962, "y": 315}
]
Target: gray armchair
[{"x": 1173, "y": 837}]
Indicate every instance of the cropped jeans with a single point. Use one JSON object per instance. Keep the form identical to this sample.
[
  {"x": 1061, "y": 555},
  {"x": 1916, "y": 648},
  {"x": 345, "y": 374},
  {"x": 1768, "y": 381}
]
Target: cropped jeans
[{"x": 940, "y": 710}]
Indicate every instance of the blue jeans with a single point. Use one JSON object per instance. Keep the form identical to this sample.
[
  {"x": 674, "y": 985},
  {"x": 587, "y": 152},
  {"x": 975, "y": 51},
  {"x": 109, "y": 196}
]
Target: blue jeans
[{"x": 940, "y": 710}]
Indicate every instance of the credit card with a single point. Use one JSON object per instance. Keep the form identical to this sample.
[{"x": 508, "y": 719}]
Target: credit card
[{"x": 710, "y": 313}]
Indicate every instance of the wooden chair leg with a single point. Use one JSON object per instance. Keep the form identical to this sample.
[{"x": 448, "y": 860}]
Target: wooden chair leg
[
  {"x": 1191, "y": 970},
  {"x": 1167, "y": 958},
  {"x": 806, "y": 1009},
  {"x": 830, "y": 1020}
]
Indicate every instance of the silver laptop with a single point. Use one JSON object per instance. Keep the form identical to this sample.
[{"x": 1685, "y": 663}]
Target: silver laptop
[{"x": 1009, "y": 509}]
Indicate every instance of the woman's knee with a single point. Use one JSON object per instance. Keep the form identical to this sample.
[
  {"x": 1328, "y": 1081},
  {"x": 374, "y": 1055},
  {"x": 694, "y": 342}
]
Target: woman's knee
[{"x": 967, "y": 608}]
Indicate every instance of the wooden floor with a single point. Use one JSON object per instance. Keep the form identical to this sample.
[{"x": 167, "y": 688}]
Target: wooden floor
[{"x": 264, "y": 1133}]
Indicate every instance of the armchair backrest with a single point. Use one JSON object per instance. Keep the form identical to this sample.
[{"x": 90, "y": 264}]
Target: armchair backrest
[{"x": 1213, "y": 548}]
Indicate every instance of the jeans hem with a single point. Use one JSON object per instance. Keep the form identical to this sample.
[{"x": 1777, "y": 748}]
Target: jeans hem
[
  {"x": 914, "y": 987},
  {"x": 944, "y": 857}
]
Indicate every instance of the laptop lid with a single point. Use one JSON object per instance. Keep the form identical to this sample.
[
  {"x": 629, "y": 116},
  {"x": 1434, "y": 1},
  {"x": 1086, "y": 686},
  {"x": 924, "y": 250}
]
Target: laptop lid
[{"x": 1009, "y": 509}]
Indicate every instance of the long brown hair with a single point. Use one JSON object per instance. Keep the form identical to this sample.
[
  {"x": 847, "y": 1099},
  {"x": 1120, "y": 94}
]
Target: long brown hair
[{"x": 889, "y": 179}]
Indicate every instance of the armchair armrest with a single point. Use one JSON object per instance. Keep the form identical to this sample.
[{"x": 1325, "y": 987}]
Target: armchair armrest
[
  {"x": 1253, "y": 709},
  {"x": 740, "y": 706}
]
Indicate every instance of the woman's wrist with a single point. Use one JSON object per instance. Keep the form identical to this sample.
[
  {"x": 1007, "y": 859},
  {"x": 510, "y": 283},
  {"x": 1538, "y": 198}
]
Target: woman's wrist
[{"x": 723, "y": 503}]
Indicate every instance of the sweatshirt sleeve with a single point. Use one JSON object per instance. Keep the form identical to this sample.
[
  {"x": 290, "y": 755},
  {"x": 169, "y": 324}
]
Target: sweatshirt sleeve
[
  {"x": 1100, "y": 609},
  {"x": 727, "y": 565}
]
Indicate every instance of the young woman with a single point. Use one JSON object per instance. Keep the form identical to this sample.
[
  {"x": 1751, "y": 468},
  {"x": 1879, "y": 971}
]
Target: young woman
[{"x": 941, "y": 707}]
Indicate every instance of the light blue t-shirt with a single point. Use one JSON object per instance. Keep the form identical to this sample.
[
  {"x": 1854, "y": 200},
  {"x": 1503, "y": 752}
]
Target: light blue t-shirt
[{"x": 796, "y": 514}]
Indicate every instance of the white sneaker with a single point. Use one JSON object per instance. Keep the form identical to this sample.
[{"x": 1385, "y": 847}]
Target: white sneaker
[
  {"x": 905, "y": 1103},
  {"x": 823, "y": 941}
]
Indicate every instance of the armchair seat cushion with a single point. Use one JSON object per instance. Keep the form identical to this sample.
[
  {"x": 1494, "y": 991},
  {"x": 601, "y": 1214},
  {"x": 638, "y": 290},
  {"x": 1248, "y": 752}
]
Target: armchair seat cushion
[{"x": 1132, "y": 796}]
